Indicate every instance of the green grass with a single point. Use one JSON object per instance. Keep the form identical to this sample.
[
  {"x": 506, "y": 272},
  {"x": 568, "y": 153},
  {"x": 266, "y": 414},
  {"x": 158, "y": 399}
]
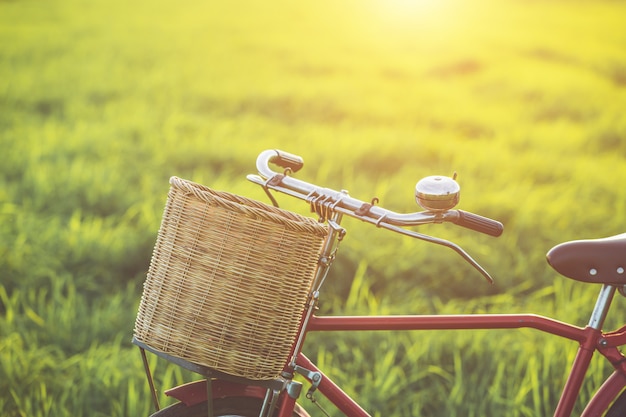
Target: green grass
[{"x": 101, "y": 102}]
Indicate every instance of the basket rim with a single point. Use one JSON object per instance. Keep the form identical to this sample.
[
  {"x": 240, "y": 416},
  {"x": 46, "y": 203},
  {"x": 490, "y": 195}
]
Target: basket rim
[{"x": 249, "y": 207}]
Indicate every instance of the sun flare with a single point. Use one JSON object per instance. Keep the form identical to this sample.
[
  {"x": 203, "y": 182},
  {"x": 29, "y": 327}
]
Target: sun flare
[{"x": 413, "y": 14}]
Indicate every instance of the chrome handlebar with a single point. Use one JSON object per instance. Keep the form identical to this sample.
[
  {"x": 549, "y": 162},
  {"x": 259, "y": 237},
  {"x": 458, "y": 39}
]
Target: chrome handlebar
[{"x": 326, "y": 201}]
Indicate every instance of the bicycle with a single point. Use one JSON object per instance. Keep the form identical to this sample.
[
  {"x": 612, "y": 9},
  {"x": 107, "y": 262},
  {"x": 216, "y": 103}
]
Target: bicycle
[{"x": 224, "y": 392}]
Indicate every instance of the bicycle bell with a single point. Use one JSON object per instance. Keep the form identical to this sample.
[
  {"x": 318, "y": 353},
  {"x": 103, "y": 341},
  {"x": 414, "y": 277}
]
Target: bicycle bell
[{"x": 437, "y": 193}]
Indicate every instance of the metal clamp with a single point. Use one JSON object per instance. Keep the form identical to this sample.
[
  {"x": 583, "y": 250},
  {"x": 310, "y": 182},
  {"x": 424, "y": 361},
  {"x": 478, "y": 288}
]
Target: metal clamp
[
  {"x": 276, "y": 180},
  {"x": 313, "y": 376},
  {"x": 365, "y": 208}
]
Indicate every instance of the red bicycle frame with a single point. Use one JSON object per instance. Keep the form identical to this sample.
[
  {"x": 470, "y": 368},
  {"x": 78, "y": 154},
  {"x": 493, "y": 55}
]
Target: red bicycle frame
[{"x": 588, "y": 338}]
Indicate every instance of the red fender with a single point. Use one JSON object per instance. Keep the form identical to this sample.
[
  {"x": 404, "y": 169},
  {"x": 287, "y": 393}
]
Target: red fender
[
  {"x": 196, "y": 392},
  {"x": 605, "y": 395}
]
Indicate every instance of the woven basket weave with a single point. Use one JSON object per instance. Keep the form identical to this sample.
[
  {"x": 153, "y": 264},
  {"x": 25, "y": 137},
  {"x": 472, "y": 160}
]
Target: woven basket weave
[{"x": 228, "y": 281}]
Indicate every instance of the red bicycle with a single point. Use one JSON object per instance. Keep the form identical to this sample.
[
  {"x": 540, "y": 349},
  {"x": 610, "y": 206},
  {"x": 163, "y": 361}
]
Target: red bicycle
[{"x": 249, "y": 347}]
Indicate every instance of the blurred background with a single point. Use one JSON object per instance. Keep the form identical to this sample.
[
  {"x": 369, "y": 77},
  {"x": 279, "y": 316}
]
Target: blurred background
[{"x": 101, "y": 102}]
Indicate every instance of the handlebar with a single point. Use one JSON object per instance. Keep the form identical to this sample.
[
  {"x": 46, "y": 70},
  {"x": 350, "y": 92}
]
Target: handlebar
[{"x": 325, "y": 201}]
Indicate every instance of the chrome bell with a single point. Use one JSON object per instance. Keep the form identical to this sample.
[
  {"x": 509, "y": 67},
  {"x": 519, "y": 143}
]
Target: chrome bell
[{"x": 437, "y": 193}]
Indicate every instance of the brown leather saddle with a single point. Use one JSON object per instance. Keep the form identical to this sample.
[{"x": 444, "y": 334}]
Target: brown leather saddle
[{"x": 601, "y": 261}]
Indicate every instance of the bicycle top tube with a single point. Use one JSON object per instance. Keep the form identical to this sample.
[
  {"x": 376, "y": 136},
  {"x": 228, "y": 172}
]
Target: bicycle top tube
[{"x": 341, "y": 202}]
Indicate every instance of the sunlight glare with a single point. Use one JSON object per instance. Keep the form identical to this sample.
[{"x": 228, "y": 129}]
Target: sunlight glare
[
  {"x": 410, "y": 6},
  {"x": 417, "y": 15}
]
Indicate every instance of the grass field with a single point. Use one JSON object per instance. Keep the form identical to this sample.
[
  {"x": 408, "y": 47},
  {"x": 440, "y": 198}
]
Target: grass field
[{"x": 101, "y": 102}]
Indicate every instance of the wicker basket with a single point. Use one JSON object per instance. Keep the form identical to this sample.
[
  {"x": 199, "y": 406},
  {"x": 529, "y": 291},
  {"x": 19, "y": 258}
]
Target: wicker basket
[{"x": 228, "y": 281}]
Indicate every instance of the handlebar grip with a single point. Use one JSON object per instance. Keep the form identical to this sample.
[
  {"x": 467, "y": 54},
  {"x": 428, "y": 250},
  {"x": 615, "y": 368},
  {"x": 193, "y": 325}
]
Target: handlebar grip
[
  {"x": 479, "y": 223},
  {"x": 287, "y": 160}
]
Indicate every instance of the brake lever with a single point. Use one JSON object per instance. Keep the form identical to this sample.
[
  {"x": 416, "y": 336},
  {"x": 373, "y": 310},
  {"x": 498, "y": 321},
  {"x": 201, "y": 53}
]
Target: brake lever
[
  {"x": 470, "y": 260},
  {"x": 441, "y": 242}
]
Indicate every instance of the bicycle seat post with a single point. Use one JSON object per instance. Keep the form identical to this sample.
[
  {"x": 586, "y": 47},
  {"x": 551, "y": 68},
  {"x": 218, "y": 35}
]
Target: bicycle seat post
[{"x": 601, "y": 308}]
